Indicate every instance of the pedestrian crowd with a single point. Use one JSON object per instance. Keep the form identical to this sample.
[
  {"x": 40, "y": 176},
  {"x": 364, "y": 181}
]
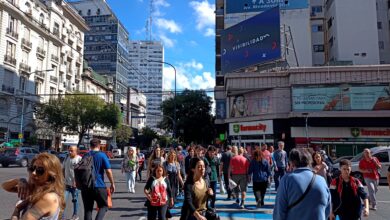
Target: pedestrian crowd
[{"x": 303, "y": 183}]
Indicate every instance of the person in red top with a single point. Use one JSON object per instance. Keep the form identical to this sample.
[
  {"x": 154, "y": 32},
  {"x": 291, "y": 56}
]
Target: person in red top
[
  {"x": 238, "y": 170},
  {"x": 266, "y": 154},
  {"x": 369, "y": 166}
]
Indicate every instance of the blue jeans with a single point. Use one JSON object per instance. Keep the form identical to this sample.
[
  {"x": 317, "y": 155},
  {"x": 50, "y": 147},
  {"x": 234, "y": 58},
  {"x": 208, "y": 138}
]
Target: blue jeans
[
  {"x": 278, "y": 175},
  {"x": 75, "y": 197},
  {"x": 213, "y": 186}
]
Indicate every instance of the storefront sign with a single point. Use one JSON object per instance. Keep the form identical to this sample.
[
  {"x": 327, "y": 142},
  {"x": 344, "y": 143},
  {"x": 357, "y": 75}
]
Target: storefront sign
[
  {"x": 356, "y": 132},
  {"x": 341, "y": 132},
  {"x": 251, "y": 128}
]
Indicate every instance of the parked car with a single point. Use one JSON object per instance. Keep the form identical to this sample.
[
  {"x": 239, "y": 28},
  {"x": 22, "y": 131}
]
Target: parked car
[
  {"x": 337, "y": 161},
  {"x": 116, "y": 152},
  {"x": 62, "y": 155},
  {"x": 383, "y": 155},
  {"x": 109, "y": 154},
  {"x": 21, "y": 156}
]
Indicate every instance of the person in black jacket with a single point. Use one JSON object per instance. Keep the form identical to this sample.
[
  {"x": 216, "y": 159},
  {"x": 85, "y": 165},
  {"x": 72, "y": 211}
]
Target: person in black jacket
[{"x": 196, "y": 192}]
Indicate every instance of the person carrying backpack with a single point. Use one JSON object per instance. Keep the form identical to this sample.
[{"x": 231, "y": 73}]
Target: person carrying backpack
[
  {"x": 158, "y": 193},
  {"x": 96, "y": 164},
  {"x": 347, "y": 194}
]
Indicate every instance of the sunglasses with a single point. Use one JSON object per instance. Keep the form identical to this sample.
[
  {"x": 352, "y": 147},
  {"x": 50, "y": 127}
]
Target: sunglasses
[{"x": 38, "y": 170}]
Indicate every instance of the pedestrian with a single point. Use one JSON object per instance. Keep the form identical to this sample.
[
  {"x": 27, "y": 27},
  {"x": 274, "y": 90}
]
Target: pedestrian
[
  {"x": 42, "y": 195},
  {"x": 172, "y": 167},
  {"x": 181, "y": 159},
  {"x": 319, "y": 166},
  {"x": 196, "y": 192},
  {"x": 214, "y": 173},
  {"x": 98, "y": 193},
  {"x": 129, "y": 167},
  {"x": 224, "y": 169},
  {"x": 238, "y": 169},
  {"x": 141, "y": 162},
  {"x": 70, "y": 183},
  {"x": 301, "y": 195},
  {"x": 266, "y": 153},
  {"x": 369, "y": 166},
  {"x": 260, "y": 170},
  {"x": 155, "y": 158},
  {"x": 280, "y": 162},
  {"x": 158, "y": 193},
  {"x": 347, "y": 195},
  {"x": 191, "y": 154}
]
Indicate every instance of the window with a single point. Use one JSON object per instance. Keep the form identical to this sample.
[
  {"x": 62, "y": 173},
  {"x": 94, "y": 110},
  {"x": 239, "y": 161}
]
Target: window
[
  {"x": 26, "y": 34},
  {"x": 56, "y": 29},
  {"x": 3, "y": 107},
  {"x": 11, "y": 50},
  {"x": 383, "y": 157},
  {"x": 22, "y": 83},
  {"x": 381, "y": 45},
  {"x": 80, "y": 12},
  {"x": 316, "y": 28},
  {"x": 12, "y": 24},
  {"x": 364, "y": 54},
  {"x": 329, "y": 23},
  {"x": 379, "y": 24},
  {"x": 24, "y": 57},
  {"x": 98, "y": 11},
  {"x": 39, "y": 64},
  {"x": 41, "y": 18},
  {"x": 89, "y": 12},
  {"x": 316, "y": 9},
  {"x": 37, "y": 88}
]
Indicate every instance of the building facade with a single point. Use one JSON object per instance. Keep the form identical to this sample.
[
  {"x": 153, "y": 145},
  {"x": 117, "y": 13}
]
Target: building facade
[
  {"x": 42, "y": 54},
  {"x": 106, "y": 43},
  {"x": 146, "y": 74}
]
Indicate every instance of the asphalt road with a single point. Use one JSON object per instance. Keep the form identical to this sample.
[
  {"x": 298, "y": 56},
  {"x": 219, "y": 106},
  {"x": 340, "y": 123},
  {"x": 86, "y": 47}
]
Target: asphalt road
[{"x": 130, "y": 206}]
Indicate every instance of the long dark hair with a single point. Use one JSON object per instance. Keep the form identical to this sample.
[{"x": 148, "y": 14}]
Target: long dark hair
[{"x": 193, "y": 162}]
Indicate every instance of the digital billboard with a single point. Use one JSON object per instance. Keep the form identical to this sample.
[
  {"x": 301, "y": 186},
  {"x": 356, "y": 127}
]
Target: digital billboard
[
  {"x": 253, "y": 41},
  {"x": 220, "y": 107},
  {"x": 244, "y": 6},
  {"x": 251, "y": 104},
  {"x": 346, "y": 98}
]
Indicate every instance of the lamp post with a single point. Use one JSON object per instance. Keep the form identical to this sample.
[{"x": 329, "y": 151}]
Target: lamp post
[
  {"x": 306, "y": 115},
  {"x": 174, "y": 97},
  {"x": 23, "y": 95}
]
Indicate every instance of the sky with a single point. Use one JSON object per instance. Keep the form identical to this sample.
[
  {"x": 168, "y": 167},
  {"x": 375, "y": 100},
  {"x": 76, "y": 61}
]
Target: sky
[{"x": 187, "y": 30}]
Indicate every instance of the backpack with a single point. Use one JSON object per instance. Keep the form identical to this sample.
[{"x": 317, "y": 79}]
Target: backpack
[
  {"x": 159, "y": 193},
  {"x": 84, "y": 173}
]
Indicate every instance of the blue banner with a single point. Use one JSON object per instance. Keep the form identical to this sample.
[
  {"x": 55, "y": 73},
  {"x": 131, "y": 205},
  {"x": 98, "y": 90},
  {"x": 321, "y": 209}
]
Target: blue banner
[
  {"x": 243, "y": 6},
  {"x": 253, "y": 41}
]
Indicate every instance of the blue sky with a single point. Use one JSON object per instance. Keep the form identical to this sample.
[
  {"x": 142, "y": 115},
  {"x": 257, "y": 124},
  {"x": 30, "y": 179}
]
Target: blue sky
[{"x": 187, "y": 30}]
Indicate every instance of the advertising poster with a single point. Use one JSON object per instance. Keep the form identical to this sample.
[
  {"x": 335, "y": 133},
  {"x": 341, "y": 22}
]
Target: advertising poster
[
  {"x": 243, "y": 6},
  {"x": 253, "y": 41},
  {"x": 251, "y": 104},
  {"x": 220, "y": 107},
  {"x": 350, "y": 98}
]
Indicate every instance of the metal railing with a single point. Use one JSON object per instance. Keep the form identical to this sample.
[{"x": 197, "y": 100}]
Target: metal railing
[
  {"x": 11, "y": 32},
  {"x": 54, "y": 58},
  {"x": 10, "y": 60},
  {"x": 24, "y": 67},
  {"x": 41, "y": 52},
  {"x": 54, "y": 79},
  {"x": 40, "y": 74},
  {"x": 8, "y": 89},
  {"x": 26, "y": 43}
]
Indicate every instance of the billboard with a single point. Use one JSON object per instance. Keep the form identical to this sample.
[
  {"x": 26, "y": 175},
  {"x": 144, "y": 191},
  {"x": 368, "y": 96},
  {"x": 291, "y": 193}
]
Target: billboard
[
  {"x": 251, "y": 104},
  {"x": 220, "y": 108},
  {"x": 244, "y": 6},
  {"x": 251, "y": 128},
  {"x": 253, "y": 41},
  {"x": 345, "y": 98}
]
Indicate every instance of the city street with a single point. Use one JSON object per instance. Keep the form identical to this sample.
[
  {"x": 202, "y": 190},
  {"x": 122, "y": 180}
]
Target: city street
[{"x": 130, "y": 206}]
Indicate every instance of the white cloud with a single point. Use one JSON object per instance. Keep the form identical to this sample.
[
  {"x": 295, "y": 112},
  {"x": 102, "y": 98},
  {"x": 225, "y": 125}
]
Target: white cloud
[
  {"x": 209, "y": 32},
  {"x": 205, "y": 17},
  {"x": 169, "y": 79},
  {"x": 168, "y": 43},
  {"x": 204, "y": 81},
  {"x": 168, "y": 25},
  {"x": 193, "y": 64},
  {"x": 193, "y": 43},
  {"x": 158, "y": 4}
]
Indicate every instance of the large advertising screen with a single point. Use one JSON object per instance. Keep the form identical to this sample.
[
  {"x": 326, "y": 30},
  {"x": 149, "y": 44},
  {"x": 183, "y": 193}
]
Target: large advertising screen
[
  {"x": 243, "y": 6},
  {"x": 343, "y": 98},
  {"x": 253, "y": 41},
  {"x": 220, "y": 108},
  {"x": 251, "y": 104}
]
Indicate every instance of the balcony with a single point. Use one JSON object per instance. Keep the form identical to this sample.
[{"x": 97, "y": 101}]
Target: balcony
[
  {"x": 54, "y": 79},
  {"x": 69, "y": 72},
  {"x": 56, "y": 32},
  {"x": 62, "y": 68},
  {"x": 13, "y": 2},
  {"x": 26, "y": 44},
  {"x": 77, "y": 78},
  {"x": 10, "y": 60},
  {"x": 8, "y": 89},
  {"x": 79, "y": 60},
  {"x": 71, "y": 55},
  {"x": 39, "y": 75},
  {"x": 79, "y": 45},
  {"x": 54, "y": 58},
  {"x": 25, "y": 68},
  {"x": 12, "y": 33},
  {"x": 41, "y": 52}
]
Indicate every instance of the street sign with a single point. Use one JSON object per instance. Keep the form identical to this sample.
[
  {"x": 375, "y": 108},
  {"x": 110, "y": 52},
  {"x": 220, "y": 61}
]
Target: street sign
[
  {"x": 20, "y": 136},
  {"x": 222, "y": 137}
]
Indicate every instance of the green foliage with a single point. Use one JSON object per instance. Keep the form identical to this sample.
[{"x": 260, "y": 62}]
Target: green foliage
[
  {"x": 79, "y": 112},
  {"x": 123, "y": 134},
  {"x": 146, "y": 137},
  {"x": 194, "y": 120}
]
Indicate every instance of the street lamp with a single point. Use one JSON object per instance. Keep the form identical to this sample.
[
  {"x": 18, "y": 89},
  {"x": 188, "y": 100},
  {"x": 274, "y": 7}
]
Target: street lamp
[
  {"x": 23, "y": 95},
  {"x": 306, "y": 115},
  {"x": 174, "y": 98}
]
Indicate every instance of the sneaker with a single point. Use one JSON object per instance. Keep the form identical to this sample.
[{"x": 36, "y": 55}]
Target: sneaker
[
  {"x": 237, "y": 201},
  {"x": 259, "y": 204},
  {"x": 75, "y": 217},
  {"x": 242, "y": 205},
  {"x": 373, "y": 207}
]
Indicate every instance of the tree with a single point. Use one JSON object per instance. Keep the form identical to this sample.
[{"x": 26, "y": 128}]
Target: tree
[
  {"x": 123, "y": 134},
  {"x": 194, "y": 122},
  {"x": 147, "y": 136},
  {"x": 79, "y": 112}
]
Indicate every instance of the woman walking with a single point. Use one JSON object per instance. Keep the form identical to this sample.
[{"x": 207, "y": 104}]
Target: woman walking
[
  {"x": 155, "y": 158},
  {"x": 159, "y": 194},
  {"x": 260, "y": 170},
  {"x": 319, "y": 166},
  {"x": 129, "y": 166},
  {"x": 173, "y": 170},
  {"x": 196, "y": 192}
]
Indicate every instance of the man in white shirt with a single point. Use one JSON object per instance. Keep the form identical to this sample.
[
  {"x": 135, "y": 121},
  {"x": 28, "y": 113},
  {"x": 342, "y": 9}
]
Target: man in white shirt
[{"x": 70, "y": 183}]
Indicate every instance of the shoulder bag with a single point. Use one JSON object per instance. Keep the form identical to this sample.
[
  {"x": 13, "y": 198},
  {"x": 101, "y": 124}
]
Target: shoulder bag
[{"x": 304, "y": 194}]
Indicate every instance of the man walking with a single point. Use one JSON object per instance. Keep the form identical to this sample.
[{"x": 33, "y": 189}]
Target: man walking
[
  {"x": 281, "y": 163},
  {"x": 369, "y": 166},
  {"x": 301, "y": 194},
  {"x": 98, "y": 193},
  {"x": 70, "y": 182},
  {"x": 238, "y": 169},
  {"x": 224, "y": 169},
  {"x": 141, "y": 161}
]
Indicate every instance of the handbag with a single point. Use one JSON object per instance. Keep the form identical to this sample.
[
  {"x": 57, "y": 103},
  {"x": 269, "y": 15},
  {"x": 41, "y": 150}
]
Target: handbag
[
  {"x": 211, "y": 214},
  {"x": 232, "y": 184},
  {"x": 304, "y": 194}
]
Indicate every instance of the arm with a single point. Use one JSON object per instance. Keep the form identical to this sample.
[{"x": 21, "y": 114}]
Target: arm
[
  {"x": 48, "y": 205},
  {"x": 19, "y": 186},
  {"x": 179, "y": 174},
  {"x": 111, "y": 179},
  {"x": 377, "y": 163},
  {"x": 363, "y": 195},
  {"x": 170, "y": 193},
  {"x": 147, "y": 188}
]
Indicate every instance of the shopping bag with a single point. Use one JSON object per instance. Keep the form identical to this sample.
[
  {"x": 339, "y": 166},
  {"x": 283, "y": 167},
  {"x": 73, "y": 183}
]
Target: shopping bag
[
  {"x": 109, "y": 200},
  {"x": 232, "y": 184},
  {"x": 221, "y": 187}
]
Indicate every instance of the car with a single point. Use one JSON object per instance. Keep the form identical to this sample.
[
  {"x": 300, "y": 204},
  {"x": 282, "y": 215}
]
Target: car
[
  {"x": 109, "y": 154},
  {"x": 62, "y": 155},
  {"x": 337, "y": 161},
  {"x": 383, "y": 155},
  {"x": 116, "y": 152},
  {"x": 21, "y": 156}
]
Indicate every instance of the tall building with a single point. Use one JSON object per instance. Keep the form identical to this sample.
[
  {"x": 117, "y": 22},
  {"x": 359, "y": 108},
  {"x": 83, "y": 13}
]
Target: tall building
[
  {"x": 41, "y": 58},
  {"x": 106, "y": 43},
  {"x": 146, "y": 74}
]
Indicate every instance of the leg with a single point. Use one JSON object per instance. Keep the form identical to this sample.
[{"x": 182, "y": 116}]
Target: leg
[
  {"x": 88, "y": 203},
  {"x": 256, "y": 191},
  {"x": 132, "y": 181},
  {"x": 152, "y": 212},
  {"x": 226, "y": 181},
  {"x": 75, "y": 200},
  {"x": 213, "y": 186},
  {"x": 128, "y": 182},
  {"x": 276, "y": 179},
  {"x": 263, "y": 189},
  {"x": 162, "y": 211},
  {"x": 101, "y": 201},
  {"x": 65, "y": 198}
]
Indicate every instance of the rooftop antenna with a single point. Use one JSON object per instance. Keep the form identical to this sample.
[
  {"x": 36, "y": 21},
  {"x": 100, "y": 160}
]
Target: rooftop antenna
[{"x": 149, "y": 22}]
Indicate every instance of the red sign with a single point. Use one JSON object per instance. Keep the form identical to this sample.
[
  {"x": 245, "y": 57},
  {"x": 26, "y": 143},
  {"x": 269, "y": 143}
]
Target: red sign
[
  {"x": 365, "y": 132},
  {"x": 259, "y": 127}
]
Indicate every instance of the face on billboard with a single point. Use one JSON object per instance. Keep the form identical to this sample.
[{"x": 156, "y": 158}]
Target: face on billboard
[
  {"x": 253, "y": 41},
  {"x": 250, "y": 104}
]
